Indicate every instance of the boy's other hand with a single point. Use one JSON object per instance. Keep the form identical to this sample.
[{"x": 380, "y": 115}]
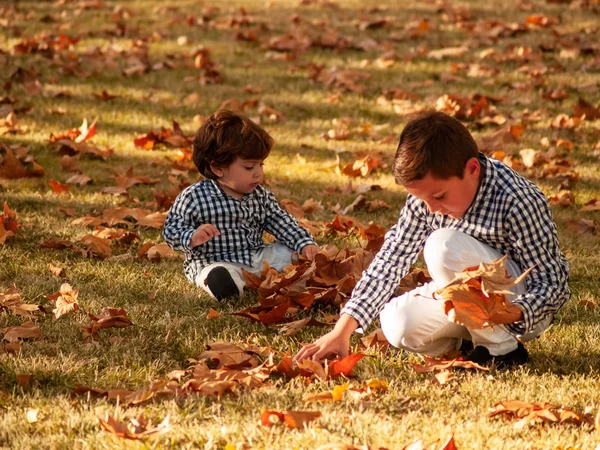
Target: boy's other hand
[
  {"x": 310, "y": 251},
  {"x": 204, "y": 233}
]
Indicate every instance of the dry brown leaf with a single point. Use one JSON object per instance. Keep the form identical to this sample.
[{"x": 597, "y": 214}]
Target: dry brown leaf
[
  {"x": 309, "y": 368},
  {"x": 108, "y": 318},
  {"x": 15, "y": 162},
  {"x": 436, "y": 365},
  {"x": 376, "y": 340},
  {"x": 157, "y": 252},
  {"x": 585, "y": 108},
  {"x": 12, "y": 348},
  {"x": 129, "y": 179},
  {"x": 8, "y": 219},
  {"x": 65, "y": 300},
  {"x": 587, "y": 303},
  {"x": 592, "y": 205},
  {"x": 26, "y": 330},
  {"x": 11, "y": 300},
  {"x": 532, "y": 157},
  {"x": 583, "y": 226},
  {"x": 476, "y": 298},
  {"x": 539, "y": 412},
  {"x": 226, "y": 355},
  {"x": 564, "y": 198},
  {"x": 96, "y": 246},
  {"x": 24, "y": 381},
  {"x": 291, "y": 328},
  {"x": 138, "y": 429},
  {"x": 57, "y": 271},
  {"x": 211, "y": 388},
  {"x": 4, "y": 234}
]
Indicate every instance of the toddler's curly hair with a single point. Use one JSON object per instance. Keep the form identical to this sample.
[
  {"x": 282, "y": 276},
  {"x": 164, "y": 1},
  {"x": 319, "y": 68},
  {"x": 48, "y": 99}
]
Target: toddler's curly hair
[{"x": 225, "y": 136}]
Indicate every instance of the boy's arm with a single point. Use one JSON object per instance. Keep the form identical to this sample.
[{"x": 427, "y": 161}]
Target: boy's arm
[
  {"x": 285, "y": 227},
  {"x": 399, "y": 252},
  {"x": 533, "y": 238},
  {"x": 180, "y": 225}
]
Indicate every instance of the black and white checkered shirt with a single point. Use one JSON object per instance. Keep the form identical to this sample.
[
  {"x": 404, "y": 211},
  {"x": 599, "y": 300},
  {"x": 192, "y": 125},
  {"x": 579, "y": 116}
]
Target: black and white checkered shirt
[
  {"x": 241, "y": 223},
  {"x": 509, "y": 213}
]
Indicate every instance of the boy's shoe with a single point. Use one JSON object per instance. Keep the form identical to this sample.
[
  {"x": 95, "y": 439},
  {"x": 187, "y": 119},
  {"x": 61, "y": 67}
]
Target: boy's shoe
[
  {"x": 221, "y": 284},
  {"x": 517, "y": 357},
  {"x": 466, "y": 347}
]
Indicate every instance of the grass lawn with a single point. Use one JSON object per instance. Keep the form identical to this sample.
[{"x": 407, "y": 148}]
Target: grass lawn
[{"x": 304, "y": 69}]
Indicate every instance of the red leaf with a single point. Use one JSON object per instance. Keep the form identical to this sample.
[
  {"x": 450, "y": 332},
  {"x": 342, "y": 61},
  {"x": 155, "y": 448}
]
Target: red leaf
[{"x": 344, "y": 366}]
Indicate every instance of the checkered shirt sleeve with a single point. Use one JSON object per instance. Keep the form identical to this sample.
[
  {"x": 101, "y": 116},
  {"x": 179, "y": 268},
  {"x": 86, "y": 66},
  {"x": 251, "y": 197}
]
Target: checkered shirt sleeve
[
  {"x": 533, "y": 243},
  {"x": 399, "y": 252}
]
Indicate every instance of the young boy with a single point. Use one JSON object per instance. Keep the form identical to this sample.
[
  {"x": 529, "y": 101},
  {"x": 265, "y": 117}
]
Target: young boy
[
  {"x": 219, "y": 222},
  {"x": 462, "y": 209}
]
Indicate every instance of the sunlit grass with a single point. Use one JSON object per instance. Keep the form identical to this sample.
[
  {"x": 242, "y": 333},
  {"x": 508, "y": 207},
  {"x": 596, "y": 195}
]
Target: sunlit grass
[{"x": 169, "y": 314}]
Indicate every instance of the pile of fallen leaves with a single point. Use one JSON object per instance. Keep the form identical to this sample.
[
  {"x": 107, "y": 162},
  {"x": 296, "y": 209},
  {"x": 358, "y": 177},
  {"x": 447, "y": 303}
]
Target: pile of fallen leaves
[
  {"x": 325, "y": 282},
  {"x": 232, "y": 368}
]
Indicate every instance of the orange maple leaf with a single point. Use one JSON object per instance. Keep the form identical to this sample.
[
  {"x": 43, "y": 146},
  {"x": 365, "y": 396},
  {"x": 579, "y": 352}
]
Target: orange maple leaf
[{"x": 476, "y": 298}]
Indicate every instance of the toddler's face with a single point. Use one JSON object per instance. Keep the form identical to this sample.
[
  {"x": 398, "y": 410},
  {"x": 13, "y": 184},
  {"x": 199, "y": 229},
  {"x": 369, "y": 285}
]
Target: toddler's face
[{"x": 241, "y": 177}]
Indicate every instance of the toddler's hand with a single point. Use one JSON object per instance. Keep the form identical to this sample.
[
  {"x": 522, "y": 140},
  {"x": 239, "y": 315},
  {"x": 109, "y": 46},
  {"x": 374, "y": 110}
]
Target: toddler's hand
[
  {"x": 310, "y": 251},
  {"x": 203, "y": 234}
]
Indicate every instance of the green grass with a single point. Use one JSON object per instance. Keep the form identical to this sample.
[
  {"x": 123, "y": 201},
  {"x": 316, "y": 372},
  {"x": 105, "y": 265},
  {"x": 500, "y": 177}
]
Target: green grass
[{"x": 170, "y": 314}]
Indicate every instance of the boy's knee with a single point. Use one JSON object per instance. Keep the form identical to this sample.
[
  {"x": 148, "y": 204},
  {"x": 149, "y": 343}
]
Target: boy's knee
[
  {"x": 442, "y": 254},
  {"x": 437, "y": 245},
  {"x": 397, "y": 324}
]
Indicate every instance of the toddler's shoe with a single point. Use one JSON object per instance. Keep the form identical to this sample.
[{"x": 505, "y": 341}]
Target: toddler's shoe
[
  {"x": 517, "y": 357},
  {"x": 221, "y": 284}
]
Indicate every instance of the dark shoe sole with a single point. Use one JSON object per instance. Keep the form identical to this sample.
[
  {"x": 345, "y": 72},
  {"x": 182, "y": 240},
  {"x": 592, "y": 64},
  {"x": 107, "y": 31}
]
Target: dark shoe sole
[
  {"x": 221, "y": 284},
  {"x": 517, "y": 357}
]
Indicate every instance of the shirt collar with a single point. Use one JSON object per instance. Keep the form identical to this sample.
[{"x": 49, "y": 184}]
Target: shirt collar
[{"x": 217, "y": 191}]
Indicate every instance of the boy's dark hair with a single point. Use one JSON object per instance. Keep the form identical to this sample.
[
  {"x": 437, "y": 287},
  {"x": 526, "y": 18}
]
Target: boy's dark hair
[
  {"x": 435, "y": 143},
  {"x": 225, "y": 136}
]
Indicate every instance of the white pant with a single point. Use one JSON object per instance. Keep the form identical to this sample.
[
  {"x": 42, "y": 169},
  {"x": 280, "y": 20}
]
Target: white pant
[
  {"x": 416, "y": 321},
  {"x": 276, "y": 254}
]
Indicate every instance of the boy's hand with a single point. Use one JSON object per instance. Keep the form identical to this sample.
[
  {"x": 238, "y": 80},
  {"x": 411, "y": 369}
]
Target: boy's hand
[
  {"x": 336, "y": 342},
  {"x": 310, "y": 251},
  {"x": 204, "y": 233}
]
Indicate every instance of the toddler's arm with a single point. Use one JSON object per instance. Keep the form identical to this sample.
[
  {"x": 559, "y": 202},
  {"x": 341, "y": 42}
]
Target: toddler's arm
[{"x": 182, "y": 221}]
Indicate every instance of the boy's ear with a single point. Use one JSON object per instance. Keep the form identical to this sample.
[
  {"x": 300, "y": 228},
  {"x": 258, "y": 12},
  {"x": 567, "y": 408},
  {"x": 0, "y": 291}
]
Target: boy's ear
[
  {"x": 473, "y": 167},
  {"x": 218, "y": 171}
]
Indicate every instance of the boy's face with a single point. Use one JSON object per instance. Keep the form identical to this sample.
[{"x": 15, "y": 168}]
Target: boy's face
[
  {"x": 241, "y": 177},
  {"x": 451, "y": 197}
]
